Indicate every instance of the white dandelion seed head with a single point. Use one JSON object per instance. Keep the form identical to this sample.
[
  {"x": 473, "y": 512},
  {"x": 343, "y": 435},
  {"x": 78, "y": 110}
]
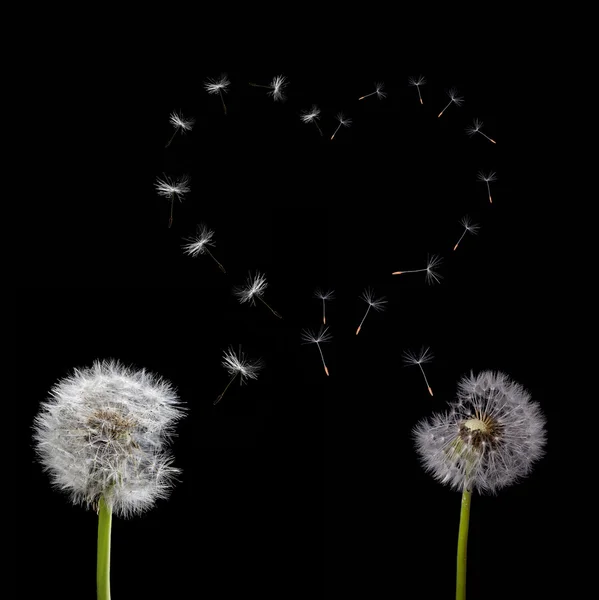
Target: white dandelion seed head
[
  {"x": 376, "y": 303},
  {"x": 173, "y": 187},
  {"x": 308, "y": 336},
  {"x": 345, "y": 121},
  {"x": 197, "y": 245},
  {"x": 455, "y": 97},
  {"x": 418, "y": 358},
  {"x": 179, "y": 122},
  {"x": 217, "y": 85},
  {"x": 277, "y": 85},
  {"x": 433, "y": 263},
  {"x": 468, "y": 225},
  {"x": 328, "y": 295},
  {"x": 307, "y": 116},
  {"x": 416, "y": 81},
  {"x": 491, "y": 176},
  {"x": 238, "y": 364},
  {"x": 477, "y": 124},
  {"x": 104, "y": 433},
  {"x": 379, "y": 86},
  {"x": 490, "y": 437},
  {"x": 254, "y": 287}
]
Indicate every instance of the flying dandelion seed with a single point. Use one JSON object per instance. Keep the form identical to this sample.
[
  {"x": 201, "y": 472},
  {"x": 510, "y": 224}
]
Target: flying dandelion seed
[
  {"x": 342, "y": 122},
  {"x": 237, "y": 364},
  {"x": 475, "y": 128},
  {"x": 417, "y": 82},
  {"x": 454, "y": 98},
  {"x": 469, "y": 227},
  {"x": 276, "y": 87},
  {"x": 254, "y": 288},
  {"x": 425, "y": 356},
  {"x": 311, "y": 116},
  {"x": 378, "y": 91},
  {"x": 180, "y": 124},
  {"x": 218, "y": 86},
  {"x": 172, "y": 189},
  {"x": 199, "y": 244},
  {"x": 324, "y": 296},
  {"x": 431, "y": 275},
  {"x": 377, "y": 304},
  {"x": 309, "y": 337},
  {"x": 487, "y": 179}
]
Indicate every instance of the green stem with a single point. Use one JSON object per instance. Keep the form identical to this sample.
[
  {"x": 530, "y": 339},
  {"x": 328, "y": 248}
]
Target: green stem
[
  {"x": 103, "y": 566},
  {"x": 460, "y": 590}
]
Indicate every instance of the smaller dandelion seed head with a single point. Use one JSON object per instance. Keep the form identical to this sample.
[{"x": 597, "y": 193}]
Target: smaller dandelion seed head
[
  {"x": 376, "y": 303},
  {"x": 472, "y": 129},
  {"x": 455, "y": 97},
  {"x": 345, "y": 121},
  {"x": 468, "y": 225},
  {"x": 433, "y": 263},
  {"x": 173, "y": 187},
  {"x": 307, "y": 116},
  {"x": 308, "y": 336},
  {"x": 379, "y": 86},
  {"x": 328, "y": 295},
  {"x": 420, "y": 80},
  {"x": 236, "y": 363},
  {"x": 197, "y": 245},
  {"x": 491, "y": 176},
  {"x": 179, "y": 122},
  {"x": 418, "y": 358},
  {"x": 277, "y": 85},
  {"x": 254, "y": 287},
  {"x": 217, "y": 85}
]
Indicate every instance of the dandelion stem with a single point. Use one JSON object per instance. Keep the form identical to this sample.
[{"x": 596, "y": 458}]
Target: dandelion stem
[
  {"x": 319, "y": 129},
  {"x": 226, "y": 388},
  {"x": 362, "y": 321},
  {"x": 322, "y": 357},
  {"x": 489, "y": 190},
  {"x": 172, "y": 136},
  {"x": 336, "y": 130},
  {"x": 413, "y": 271},
  {"x": 214, "y": 259},
  {"x": 103, "y": 565},
  {"x": 362, "y": 98},
  {"x": 170, "y": 221},
  {"x": 274, "y": 312},
  {"x": 460, "y": 592},
  {"x": 463, "y": 234},
  {"x": 324, "y": 317},
  {"x": 448, "y": 104},
  {"x": 223, "y": 101},
  {"x": 262, "y": 86},
  {"x": 430, "y": 391}
]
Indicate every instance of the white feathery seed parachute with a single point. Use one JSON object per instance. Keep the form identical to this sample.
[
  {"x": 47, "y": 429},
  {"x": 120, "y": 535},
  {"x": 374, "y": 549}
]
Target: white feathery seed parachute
[
  {"x": 104, "y": 433},
  {"x": 489, "y": 438}
]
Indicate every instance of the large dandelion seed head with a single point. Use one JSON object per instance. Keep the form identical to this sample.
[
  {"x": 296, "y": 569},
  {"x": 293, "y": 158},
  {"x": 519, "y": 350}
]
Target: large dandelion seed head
[{"x": 254, "y": 287}]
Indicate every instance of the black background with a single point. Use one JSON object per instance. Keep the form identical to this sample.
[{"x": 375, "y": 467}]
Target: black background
[{"x": 296, "y": 483}]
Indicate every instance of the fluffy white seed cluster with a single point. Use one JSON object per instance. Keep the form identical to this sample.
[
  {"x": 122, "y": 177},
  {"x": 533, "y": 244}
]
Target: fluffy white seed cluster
[
  {"x": 489, "y": 438},
  {"x": 104, "y": 432}
]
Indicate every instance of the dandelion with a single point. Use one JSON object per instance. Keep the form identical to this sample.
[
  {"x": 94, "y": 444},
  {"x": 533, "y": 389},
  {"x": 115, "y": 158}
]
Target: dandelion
[
  {"x": 378, "y": 91},
  {"x": 425, "y": 356},
  {"x": 469, "y": 227},
  {"x": 487, "y": 179},
  {"x": 475, "y": 128},
  {"x": 421, "y": 80},
  {"x": 490, "y": 438},
  {"x": 239, "y": 365},
  {"x": 309, "y": 337},
  {"x": 311, "y": 116},
  {"x": 218, "y": 86},
  {"x": 454, "y": 98},
  {"x": 342, "y": 122},
  {"x": 324, "y": 296},
  {"x": 180, "y": 124},
  {"x": 368, "y": 297},
  {"x": 276, "y": 87},
  {"x": 103, "y": 437},
  {"x": 199, "y": 244},
  {"x": 172, "y": 189},
  {"x": 254, "y": 288},
  {"x": 431, "y": 275}
]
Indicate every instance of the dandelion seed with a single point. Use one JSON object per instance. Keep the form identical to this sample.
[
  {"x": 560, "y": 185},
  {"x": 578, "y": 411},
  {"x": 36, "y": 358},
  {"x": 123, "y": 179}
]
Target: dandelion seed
[
  {"x": 324, "y": 296},
  {"x": 237, "y": 364},
  {"x": 199, "y": 244},
  {"x": 425, "y": 356},
  {"x": 309, "y": 337},
  {"x": 311, "y": 116},
  {"x": 342, "y": 122},
  {"x": 180, "y": 124},
  {"x": 487, "y": 178},
  {"x": 276, "y": 87},
  {"x": 218, "y": 86},
  {"x": 431, "y": 275},
  {"x": 454, "y": 98},
  {"x": 377, "y": 304},
  {"x": 469, "y": 227},
  {"x": 475, "y": 128},
  {"x": 421, "y": 80},
  {"x": 172, "y": 189},
  {"x": 254, "y": 288},
  {"x": 378, "y": 91}
]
